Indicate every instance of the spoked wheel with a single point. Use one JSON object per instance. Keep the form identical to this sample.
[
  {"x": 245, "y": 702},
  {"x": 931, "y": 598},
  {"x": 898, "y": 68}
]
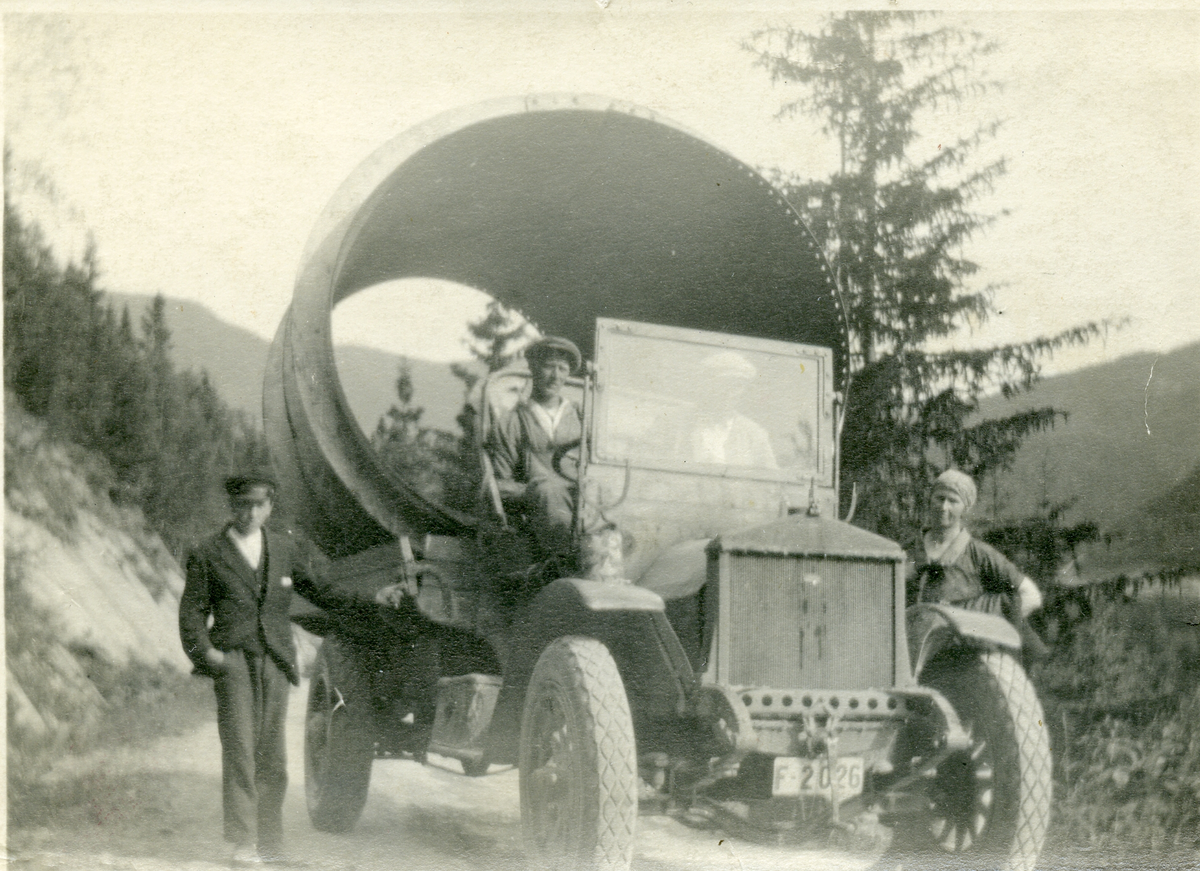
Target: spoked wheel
[
  {"x": 339, "y": 741},
  {"x": 989, "y": 806},
  {"x": 962, "y": 797},
  {"x": 578, "y": 761}
]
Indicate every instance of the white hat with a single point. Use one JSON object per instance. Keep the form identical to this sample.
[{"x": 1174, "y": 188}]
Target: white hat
[{"x": 728, "y": 364}]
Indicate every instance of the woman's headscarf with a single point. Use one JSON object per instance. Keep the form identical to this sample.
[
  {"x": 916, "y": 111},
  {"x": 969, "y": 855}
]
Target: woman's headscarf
[{"x": 959, "y": 483}]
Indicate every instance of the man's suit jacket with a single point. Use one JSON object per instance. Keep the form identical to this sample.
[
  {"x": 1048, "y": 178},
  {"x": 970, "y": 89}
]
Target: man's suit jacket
[{"x": 221, "y": 584}]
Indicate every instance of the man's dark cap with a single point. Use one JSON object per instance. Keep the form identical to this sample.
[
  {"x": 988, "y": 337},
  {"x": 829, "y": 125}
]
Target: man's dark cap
[
  {"x": 244, "y": 484},
  {"x": 554, "y": 345}
]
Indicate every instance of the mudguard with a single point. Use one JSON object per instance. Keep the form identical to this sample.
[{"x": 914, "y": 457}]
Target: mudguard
[
  {"x": 934, "y": 628},
  {"x": 630, "y": 621}
]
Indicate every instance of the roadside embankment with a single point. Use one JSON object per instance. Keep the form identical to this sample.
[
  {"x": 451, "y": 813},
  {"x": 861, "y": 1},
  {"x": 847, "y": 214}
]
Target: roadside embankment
[{"x": 91, "y": 597}]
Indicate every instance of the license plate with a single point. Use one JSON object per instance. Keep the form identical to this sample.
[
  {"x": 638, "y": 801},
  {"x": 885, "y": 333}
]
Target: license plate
[{"x": 797, "y": 776}]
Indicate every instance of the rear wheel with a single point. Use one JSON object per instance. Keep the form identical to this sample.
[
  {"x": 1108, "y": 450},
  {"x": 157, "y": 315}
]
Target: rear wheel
[
  {"x": 339, "y": 740},
  {"x": 578, "y": 760},
  {"x": 990, "y": 805}
]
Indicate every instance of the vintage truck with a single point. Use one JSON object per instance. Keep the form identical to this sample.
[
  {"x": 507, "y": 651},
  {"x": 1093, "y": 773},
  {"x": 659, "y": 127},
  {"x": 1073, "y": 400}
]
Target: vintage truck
[{"x": 753, "y": 658}]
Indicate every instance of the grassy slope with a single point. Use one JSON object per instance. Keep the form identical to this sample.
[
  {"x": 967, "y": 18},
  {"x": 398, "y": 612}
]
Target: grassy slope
[
  {"x": 1133, "y": 433},
  {"x": 1129, "y": 454}
]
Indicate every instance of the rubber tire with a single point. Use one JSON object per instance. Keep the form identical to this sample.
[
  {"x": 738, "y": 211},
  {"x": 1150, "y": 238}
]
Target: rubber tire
[
  {"x": 578, "y": 761},
  {"x": 999, "y": 708},
  {"x": 339, "y": 740}
]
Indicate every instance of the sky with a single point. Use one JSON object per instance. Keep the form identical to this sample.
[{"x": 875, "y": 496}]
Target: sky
[{"x": 198, "y": 148}]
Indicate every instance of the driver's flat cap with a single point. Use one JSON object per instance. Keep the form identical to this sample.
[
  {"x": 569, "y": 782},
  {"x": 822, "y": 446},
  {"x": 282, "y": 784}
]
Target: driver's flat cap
[{"x": 554, "y": 345}]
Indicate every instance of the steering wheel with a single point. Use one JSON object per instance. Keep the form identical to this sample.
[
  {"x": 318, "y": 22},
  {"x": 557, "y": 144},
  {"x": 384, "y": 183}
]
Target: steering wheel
[{"x": 567, "y": 451}]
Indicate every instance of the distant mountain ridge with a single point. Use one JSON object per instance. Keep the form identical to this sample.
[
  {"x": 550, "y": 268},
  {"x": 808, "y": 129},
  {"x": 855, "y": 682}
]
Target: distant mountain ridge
[
  {"x": 236, "y": 359},
  {"x": 1124, "y": 455},
  {"x": 1128, "y": 458},
  {"x": 1133, "y": 433}
]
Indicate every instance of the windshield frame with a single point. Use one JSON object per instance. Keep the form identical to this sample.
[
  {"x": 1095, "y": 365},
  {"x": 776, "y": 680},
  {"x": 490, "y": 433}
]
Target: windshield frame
[{"x": 612, "y": 376}]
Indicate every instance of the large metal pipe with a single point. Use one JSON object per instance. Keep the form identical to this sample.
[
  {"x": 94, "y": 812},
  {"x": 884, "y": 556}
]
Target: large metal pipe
[{"x": 564, "y": 207}]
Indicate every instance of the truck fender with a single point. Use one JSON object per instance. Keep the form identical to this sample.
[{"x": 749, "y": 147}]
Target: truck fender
[
  {"x": 933, "y": 628},
  {"x": 630, "y": 621}
]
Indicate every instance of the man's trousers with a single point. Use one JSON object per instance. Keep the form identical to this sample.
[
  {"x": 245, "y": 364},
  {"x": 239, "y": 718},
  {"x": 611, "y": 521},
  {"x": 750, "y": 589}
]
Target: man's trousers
[
  {"x": 252, "y": 696},
  {"x": 550, "y": 509}
]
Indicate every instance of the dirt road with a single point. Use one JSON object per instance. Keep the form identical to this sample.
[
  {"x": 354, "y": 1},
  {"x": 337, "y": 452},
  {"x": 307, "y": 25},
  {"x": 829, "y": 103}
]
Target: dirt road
[{"x": 160, "y": 808}]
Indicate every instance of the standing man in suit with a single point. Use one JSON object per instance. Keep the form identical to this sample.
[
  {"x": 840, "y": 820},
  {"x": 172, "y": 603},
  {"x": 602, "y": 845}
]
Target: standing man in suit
[{"x": 242, "y": 578}]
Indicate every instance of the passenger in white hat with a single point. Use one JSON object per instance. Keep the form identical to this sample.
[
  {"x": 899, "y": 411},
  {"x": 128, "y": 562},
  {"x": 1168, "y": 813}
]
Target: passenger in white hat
[{"x": 722, "y": 435}]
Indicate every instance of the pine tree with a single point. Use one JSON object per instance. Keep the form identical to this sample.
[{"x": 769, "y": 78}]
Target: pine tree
[
  {"x": 168, "y": 438},
  {"x": 893, "y": 226},
  {"x": 440, "y": 465},
  {"x": 493, "y": 338},
  {"x": 420, "y": 457}
]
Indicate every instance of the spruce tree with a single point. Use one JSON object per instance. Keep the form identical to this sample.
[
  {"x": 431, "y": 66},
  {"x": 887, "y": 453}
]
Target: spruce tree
[
  {"x": 491, "y": 347},
  {"x": 893, "y": 222},
  {"x": 440, "y": 465}
]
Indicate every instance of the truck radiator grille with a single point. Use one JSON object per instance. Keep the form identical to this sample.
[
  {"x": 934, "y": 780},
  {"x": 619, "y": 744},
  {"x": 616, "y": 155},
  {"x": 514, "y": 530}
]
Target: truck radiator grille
[{"x": 809, "y": 622}]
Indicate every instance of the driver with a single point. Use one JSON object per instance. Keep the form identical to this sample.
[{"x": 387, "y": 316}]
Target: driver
[{"x": 523, "y": 443}]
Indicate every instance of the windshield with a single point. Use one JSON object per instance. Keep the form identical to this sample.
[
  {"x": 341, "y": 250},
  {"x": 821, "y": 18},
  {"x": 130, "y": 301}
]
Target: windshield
[{"x": 704, "y": 402}]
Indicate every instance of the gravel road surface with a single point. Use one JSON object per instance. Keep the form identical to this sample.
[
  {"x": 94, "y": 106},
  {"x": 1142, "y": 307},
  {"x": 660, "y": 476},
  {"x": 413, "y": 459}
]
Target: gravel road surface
[{"x": 160, "y": 808}]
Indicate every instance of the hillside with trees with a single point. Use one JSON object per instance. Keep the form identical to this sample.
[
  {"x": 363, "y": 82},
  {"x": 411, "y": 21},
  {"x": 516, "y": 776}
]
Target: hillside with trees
[
  {"x": 235, "y": 359},
  {"x": 97, "y": 378},
  {"x": 1130, "y": 437},
  {"x": 110, "y": 451}
]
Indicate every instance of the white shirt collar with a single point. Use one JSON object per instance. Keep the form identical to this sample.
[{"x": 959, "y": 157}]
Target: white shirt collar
[
  {"x": 947, "y": 551},
  {"x": 549, "y": 421},
  {"x": 250, "y": 546}
]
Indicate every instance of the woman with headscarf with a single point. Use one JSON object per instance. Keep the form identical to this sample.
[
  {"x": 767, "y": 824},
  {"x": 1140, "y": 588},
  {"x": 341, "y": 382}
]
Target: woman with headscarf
[{"x": 955, "y": 568}]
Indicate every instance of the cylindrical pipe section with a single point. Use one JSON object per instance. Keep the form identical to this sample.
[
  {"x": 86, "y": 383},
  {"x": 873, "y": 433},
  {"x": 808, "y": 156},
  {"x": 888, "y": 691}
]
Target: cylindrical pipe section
[{"x": 565, "y": 207}]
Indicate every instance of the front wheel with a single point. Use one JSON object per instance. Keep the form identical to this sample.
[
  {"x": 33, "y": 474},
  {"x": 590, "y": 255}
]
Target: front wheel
[
  {"x": 990, "y": 804},
  {"x": 578, "y": 760},
  {"x": 339, "y": 740}
]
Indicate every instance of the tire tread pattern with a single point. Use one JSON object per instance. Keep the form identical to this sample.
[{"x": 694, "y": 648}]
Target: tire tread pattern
[
  {"x": 1032, "y": 756},
  {"x": 587, "y": 670}
]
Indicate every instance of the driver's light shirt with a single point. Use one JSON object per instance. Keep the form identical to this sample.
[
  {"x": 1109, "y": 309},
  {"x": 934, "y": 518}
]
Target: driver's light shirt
[
  {"x": 735, "y": 441},
  {"x": 549, "y": 421},
  {"x": 523, "y": 443}
]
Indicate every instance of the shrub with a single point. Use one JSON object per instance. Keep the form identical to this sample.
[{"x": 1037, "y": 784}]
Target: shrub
[
  {"x": 1135, "y": 787},
  {"x": 1127, "y": 656},
  {"x": 1123, "y": 698}
]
